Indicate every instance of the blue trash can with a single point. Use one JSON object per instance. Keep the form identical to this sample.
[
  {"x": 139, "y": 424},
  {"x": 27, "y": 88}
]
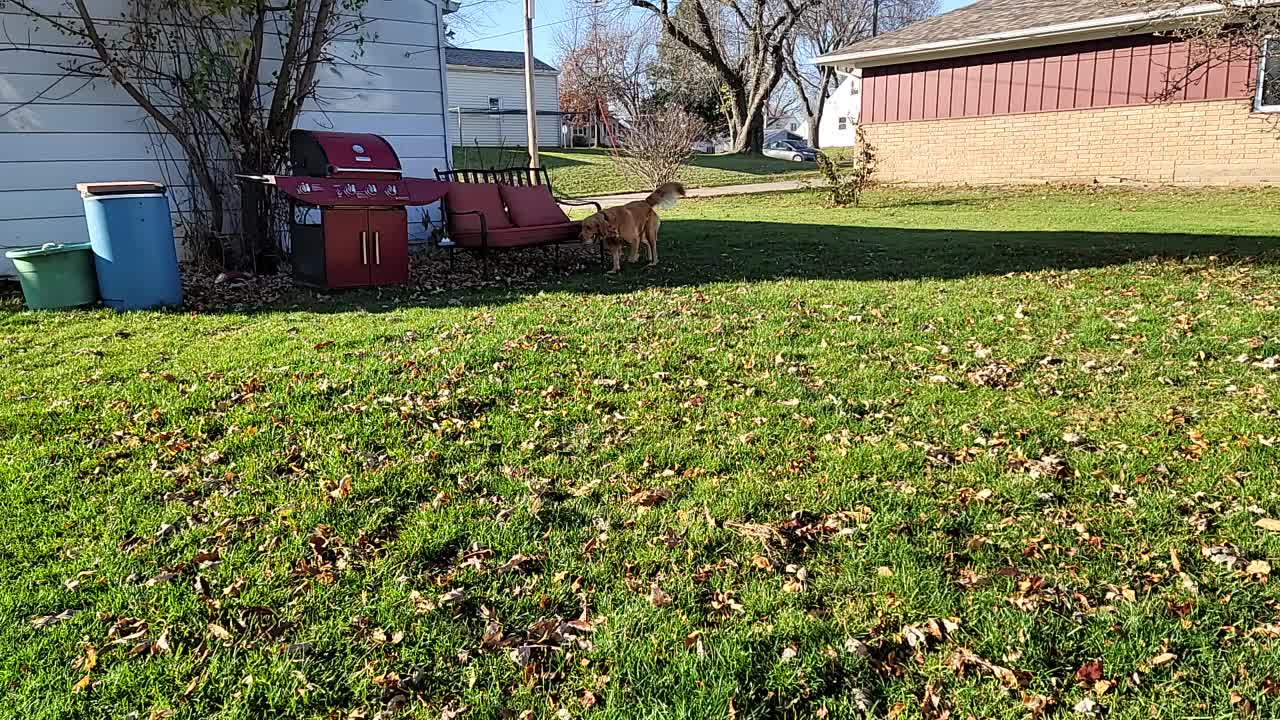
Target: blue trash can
[{"x": 133, "y": 247}]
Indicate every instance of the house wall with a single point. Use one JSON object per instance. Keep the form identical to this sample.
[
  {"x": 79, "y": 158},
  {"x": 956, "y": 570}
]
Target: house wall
[
  {"x": 57, "y": 132},
  {"x": 471, "y": 88},
  {"x": 1216, "y": 142},
  {"x": 1141, "y": 108},
  {"x": 844, "y": 104},
  {"x": 1101, "y": 73}
]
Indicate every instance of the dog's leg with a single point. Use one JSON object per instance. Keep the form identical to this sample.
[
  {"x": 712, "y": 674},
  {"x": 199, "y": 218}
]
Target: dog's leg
[
  {"x": 635, "y": 248},
  {"x": 652, "y": 232},
  {"x": 616, "y": 250}
]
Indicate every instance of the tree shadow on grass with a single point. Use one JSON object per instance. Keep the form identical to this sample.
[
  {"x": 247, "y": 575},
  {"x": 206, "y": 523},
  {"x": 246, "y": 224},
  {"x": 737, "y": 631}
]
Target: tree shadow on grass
[{"x": 698, "y": 252}]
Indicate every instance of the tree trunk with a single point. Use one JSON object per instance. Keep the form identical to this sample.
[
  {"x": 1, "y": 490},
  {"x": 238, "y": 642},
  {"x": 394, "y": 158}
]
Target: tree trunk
[
  {"x": 746, "y": 125},
  {"x": 813, "y": 132}
]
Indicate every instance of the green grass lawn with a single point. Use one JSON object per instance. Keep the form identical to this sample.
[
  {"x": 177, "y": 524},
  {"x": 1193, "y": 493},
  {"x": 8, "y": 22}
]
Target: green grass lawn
[
  {"x": 953, "y": 454},
  {"x": 585, "y": 171}
]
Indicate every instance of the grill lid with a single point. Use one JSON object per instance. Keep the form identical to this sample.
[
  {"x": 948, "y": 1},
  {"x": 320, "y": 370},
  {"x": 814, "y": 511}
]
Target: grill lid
[{"x": 321, "y": 153}]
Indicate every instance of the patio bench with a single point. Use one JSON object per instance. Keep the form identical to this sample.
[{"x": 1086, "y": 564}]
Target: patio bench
[{"x": 507, "y": 208}]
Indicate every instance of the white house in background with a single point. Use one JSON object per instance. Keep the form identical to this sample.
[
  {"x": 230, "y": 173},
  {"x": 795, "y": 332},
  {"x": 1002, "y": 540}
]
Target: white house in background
[
  {"x": 839, "y": 125},
  {"x": 487, "y": 100},
  {"x": 53, "y": 138}
]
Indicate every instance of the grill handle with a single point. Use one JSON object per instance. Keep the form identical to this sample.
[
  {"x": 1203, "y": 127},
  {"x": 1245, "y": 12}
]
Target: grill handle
[
  {"x": 377, "y": 247},
  {"x": 364, "y": 247}
]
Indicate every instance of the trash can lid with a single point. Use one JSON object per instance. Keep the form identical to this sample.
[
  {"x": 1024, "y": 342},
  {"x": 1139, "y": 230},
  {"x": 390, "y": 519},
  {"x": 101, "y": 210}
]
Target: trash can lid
[
  {"x": 46, "y": 249},
  {"x": 123, "y": 187}
]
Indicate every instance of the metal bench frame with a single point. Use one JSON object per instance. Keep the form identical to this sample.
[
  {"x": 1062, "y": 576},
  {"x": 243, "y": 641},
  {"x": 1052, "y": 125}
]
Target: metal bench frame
[{"x": 518, "y": 177}]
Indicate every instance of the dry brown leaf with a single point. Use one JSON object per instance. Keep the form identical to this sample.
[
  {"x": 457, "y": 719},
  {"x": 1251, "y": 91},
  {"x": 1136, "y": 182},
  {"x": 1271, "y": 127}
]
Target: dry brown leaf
[
  {"x": 650, "y": 498},
  {"x": 45, "y": 621},
  {"x": 658, "y": 597},
  {"x": 219, "y": 632},
  {"x": 1163, "y": 658},
  {"x": 1036, "y": 704},
  {"x": 82, "y": 685},
  {"x": 1268, "y": 524},
  {"x": 1258, "y": 568},
  {"x": 1089, "y": 673}
]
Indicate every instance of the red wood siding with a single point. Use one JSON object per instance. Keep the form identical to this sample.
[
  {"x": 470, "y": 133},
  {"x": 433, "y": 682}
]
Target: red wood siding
[{"x": 1104, "y": 73}]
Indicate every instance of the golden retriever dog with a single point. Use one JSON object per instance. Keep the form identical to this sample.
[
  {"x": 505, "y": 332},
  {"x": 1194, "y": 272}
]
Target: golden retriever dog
[{"x": 634, "y": 224}]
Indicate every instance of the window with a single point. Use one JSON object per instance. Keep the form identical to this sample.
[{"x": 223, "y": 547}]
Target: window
[
  {"x": 844, "y": 123},
  {"x": 495, "y": 105},
  {"x": 1269, "y": 76}
]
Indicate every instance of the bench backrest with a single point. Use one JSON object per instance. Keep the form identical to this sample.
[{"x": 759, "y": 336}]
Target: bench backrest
[{"x": 518, "y": 176}]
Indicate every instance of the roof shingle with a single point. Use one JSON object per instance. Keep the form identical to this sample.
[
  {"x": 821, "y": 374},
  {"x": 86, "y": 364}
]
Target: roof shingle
[
  {"x": 499, "y": 59},
  {"x": 985, "y": 17}
]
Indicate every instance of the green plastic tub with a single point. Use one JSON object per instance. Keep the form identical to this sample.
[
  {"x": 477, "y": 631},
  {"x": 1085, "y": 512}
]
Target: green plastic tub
[{"x": 55, "y": 275}]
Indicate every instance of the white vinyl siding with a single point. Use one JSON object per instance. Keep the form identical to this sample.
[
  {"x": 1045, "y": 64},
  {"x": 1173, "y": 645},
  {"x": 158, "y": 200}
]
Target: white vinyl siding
[
  {"x": 472, "y": 89},
  {"x": 75, "y": 132}
]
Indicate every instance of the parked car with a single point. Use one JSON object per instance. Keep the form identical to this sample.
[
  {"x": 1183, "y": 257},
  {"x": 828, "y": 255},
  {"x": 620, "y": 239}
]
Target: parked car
[{"x": 791, "y": 150}]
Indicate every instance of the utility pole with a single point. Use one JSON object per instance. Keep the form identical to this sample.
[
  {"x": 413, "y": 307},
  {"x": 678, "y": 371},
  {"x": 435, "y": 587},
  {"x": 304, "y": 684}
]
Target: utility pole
[{"x": 529, "y": 108}]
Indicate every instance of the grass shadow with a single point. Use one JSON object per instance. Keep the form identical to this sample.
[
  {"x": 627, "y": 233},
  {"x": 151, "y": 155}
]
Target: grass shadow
[{"x": 698, "y": 252}]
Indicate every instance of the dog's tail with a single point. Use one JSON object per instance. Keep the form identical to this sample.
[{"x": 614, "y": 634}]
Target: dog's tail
[{"x": 665, "y": 196}]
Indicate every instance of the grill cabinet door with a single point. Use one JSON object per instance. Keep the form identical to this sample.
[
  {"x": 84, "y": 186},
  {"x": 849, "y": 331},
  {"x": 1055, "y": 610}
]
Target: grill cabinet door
[
  {"x": 347, "y": 252},
  {"x": 388, "y": 246}
]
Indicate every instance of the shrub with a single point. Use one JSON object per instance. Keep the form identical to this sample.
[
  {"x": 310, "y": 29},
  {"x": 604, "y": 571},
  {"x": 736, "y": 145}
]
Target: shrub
[
  {"x": 657, "y": 145},
  {"x": 846, "y": 177}
]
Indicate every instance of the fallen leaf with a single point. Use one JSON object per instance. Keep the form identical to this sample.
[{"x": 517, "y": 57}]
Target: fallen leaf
[
  {"x": 1163, "y": 658},
  {"x": 1087, "y": 707},
  {"x": 82, "y": 685},
  {"x": 658, "y": 597},
  {"x": 1089, "y": 673},
  {"x": 45, "y": 621},
  {"x": 789, "y": 652},
  {"x": 650, "y": 498},
  {"x": 1036, "y": 704},
  {"x": 517, "y": 563},
  {"x": 1268, "y": 524},
  {"x": 341, "y": 489},
  {"x": 1258, "y": 568},
  {"x": 219, "y": 632}
]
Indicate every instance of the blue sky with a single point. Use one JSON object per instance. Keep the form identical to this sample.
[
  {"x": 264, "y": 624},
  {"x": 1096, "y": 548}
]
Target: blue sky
[{"x": 500, "y": 26}]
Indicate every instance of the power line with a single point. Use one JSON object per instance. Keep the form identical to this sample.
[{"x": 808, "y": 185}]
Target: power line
[{"x": 597, "y": 13}]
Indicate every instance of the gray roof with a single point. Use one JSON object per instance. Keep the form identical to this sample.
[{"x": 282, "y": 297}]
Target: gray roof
[
  {"x": 500, "y": 59},
  {"x": 985, "y": 17}
]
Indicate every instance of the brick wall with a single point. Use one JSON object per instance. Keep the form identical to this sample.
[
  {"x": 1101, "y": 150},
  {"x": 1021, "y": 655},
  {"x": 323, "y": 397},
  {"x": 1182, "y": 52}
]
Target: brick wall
[{"x": 1189, "y": 143}]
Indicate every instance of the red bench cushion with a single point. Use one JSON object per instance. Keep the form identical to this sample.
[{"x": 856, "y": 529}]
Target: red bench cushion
[
  {"x": 533, "y": 205},
  {"x": 522, "y": 236},
  {"x": 485, "y": 197}
]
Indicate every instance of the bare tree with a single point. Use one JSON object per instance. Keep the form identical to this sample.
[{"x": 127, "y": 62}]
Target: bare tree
[
  {"x": 603, "y": 62},
  {"x": 831, "y": 26},
  {"x": 659, "y": 145},
  {"x": 742, "y": 42},
  {"x": 1232, "y": 31},
  {"x": 198, "y": 70}
]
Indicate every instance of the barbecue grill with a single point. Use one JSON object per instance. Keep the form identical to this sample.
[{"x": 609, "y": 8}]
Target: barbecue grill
[{"x": 355, "y": 180}]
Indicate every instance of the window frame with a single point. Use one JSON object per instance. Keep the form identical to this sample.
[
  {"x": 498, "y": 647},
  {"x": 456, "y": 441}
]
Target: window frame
[
  {"x": 1263, "y": 58},
  {"x": 495, "y": 105}
]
